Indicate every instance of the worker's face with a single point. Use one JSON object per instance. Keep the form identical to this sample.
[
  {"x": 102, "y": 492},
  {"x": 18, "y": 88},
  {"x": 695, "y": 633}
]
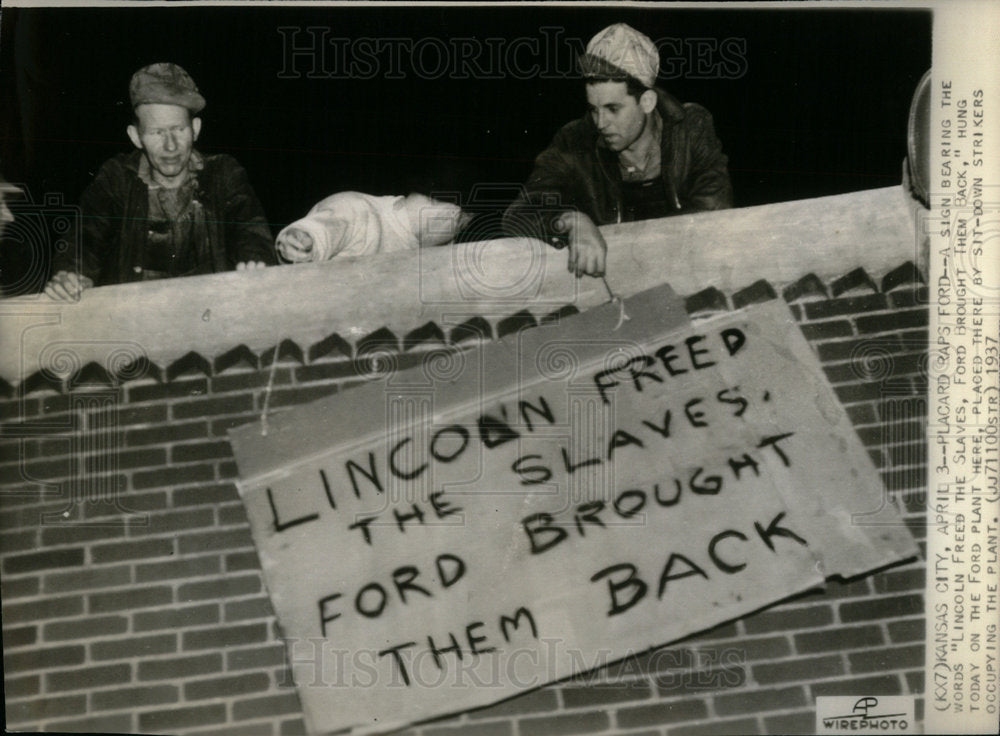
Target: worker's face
[
  {"x": 166, "y": 134},
  {"x": 619, "y": 117}
]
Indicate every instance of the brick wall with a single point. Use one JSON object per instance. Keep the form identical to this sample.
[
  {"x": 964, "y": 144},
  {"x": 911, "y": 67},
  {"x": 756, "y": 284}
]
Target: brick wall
[{"x": 133, "y": 599}]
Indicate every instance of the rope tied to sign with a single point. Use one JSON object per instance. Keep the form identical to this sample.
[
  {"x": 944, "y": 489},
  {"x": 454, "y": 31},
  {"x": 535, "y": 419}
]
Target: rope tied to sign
[
  {"x": 267, "y": 394},
  {"x": 613, "y": 298}
]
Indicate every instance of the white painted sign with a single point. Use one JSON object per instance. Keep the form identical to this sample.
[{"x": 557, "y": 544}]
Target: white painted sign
[{"x": 498, "y": 519}]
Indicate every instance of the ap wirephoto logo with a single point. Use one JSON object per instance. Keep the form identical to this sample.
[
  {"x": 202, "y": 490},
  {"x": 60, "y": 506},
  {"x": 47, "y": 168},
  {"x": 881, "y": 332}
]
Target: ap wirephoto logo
[{"x": 851, "y": 714}]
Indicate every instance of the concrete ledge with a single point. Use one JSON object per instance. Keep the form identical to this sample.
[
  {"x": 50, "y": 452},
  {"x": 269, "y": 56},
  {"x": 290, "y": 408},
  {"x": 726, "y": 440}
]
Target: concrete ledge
[{"x": 308, "y": 304}]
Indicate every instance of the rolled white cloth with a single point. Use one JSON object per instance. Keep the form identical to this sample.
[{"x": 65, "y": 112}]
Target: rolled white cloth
[{"x": 357, "y": 224}]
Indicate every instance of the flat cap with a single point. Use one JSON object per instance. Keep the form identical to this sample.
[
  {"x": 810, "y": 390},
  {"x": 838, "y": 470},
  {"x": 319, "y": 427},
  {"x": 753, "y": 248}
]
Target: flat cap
[
  {"x": 621, "y": 50},
  {"x": 166, "y": 84}
]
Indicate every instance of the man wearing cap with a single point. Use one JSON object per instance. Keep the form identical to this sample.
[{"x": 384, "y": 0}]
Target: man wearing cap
[
  {"x": 637, "y": 154},
  {"x": 164, "y": 210}
]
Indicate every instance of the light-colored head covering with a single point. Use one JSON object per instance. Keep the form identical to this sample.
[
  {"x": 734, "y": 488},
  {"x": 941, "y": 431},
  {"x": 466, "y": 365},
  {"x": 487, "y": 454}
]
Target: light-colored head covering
[{"x": 621, "y": 50}]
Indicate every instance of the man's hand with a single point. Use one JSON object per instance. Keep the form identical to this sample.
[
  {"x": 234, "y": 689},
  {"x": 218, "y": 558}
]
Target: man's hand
[
  {"x": 295, "y": 245},
  {"x": 66, "y": 286},
  {"x": 250, "y": 265},
  {"x": 587, "y": 249}
]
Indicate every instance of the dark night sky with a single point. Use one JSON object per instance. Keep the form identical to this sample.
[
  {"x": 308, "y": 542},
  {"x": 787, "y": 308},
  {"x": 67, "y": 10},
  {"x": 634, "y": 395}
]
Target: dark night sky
[{"x": 817, "y": 104}]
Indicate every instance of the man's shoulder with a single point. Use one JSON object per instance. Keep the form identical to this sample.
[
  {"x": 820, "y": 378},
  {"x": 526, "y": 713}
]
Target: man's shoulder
[
  {"x": 684, "y": 113},
  {"x": 696, "y": 113},
  {"x": 121, "y": 164},
  {"x": 697, "y": 121},
  {"x": 688, "y": 115},
  {"x": 115, "y": 178},
  {"x": 576, "y": 135},
  {"x": 220, "y": 162}
]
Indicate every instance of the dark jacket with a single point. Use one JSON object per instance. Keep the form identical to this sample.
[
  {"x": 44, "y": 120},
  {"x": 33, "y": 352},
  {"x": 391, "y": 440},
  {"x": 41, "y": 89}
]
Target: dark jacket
[
  {"x": 578, "y": 172},
  {"x": 115, "y": 216}
]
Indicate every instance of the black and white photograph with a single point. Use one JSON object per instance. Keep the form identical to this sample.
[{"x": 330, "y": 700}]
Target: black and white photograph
[{"x": 516, "y": 369}]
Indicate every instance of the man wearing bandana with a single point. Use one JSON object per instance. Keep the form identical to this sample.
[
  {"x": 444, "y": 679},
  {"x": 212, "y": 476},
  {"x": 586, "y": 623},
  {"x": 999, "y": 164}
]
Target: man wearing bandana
[
  {"x": 164, "y": 210},
  {"x": 637, "y": 154}
]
